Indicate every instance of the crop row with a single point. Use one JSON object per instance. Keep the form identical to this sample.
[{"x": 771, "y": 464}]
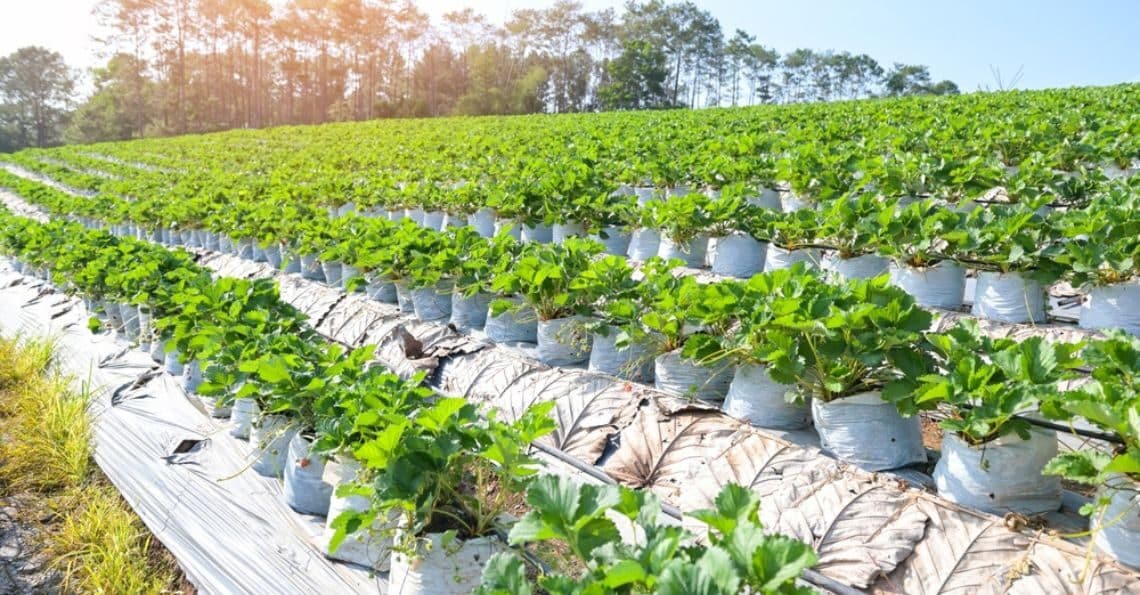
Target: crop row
[
  {"x": 781, "y": 349},
  {"x": 418, "y": 476},
  {"x": 927, "y": 246}
]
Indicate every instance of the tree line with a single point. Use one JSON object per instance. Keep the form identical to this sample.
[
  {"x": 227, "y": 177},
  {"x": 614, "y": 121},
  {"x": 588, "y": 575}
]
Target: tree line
[{"x": 184, "y": 66}]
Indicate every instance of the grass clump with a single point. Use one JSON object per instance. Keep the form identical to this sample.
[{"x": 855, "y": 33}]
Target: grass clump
[{"x": 89, "y": 534}]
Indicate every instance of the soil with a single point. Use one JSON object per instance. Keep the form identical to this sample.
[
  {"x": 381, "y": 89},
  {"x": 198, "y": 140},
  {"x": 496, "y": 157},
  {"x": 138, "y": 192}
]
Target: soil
[
  {"x": 23, "y": 567},
  {"x": 931, "y": 433}
]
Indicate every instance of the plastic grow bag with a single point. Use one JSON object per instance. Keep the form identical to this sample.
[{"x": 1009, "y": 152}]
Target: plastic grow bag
[
  {"x": 484, "y": 222},
  {"x": 541, "y": 233},
  {"x": 1000, "y": 476},
  {"x": 433, "y": 220},
  {"x": 693, "y": 252},
  {"x": 509, "y": 227},
  {"x": 635, "y": 362},
  {"x": 868, "y": 432},
  {"x": 348, "y": 273},
  {"x": 454, "y": 569},
  {"x": 867, "y": 266},
  {"x": 269, "y": 438},
  {"x": 304, "y": 486},
  {"x": 643, "y": 243},
  {"x": 754, "y": 397},
  {"x": 404, "y": 298},
  {"x": 311, "y": 268},
  {"x": 776, "y": 258},
  {"x": 1008, "y": 297},
  {"x": 369, "y": 546},
  {"x": 677, "y": 376},
  {"x": 432, "y": 303},
  {"x": 512, "y": 326},
  {"x": 453, "y": 220},
  {"x": 562, "y": 231},
  {"x": 1116, "y": 529},
  {"x": 333, "y": 273},
  {"x": 382, "y": 291},
  {"x": 1113, "y": 306},
  {"x": 937, "y": 286},
  {"x": 242, "y": 415},
  {"x": 616, "y": 241},
  {"x": 738, "y": 255},
  {"x": 469, "y": 313},
  {"x": 191, "y": 376},
  {"x": 563, "y": 341}
]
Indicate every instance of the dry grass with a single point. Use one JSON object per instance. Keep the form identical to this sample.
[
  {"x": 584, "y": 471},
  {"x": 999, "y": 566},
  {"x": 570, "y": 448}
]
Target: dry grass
[{"x": 88, "y": 532}]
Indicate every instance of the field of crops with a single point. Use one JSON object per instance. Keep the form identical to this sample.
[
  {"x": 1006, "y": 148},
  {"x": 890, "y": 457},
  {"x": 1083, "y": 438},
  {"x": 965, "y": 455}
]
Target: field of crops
[{"x": 838, "y": 271}]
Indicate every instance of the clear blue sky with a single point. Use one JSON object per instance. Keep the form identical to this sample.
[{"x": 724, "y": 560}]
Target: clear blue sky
[{"x": 1059, "y": 43}]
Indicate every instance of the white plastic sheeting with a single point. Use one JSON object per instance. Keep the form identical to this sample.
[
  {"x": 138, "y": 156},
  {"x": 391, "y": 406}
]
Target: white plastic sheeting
[{"x": 182, "y": 472}]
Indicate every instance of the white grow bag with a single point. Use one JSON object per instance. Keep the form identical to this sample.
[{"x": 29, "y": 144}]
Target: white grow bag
[
  {"x": 868, "y": 432},
  {"x": 562, "y": 341},
  {"x": 677, "y": 376},
  {"x": 484, "y": 222},
  {"x": 453, "y": 569},
  {"x": 754, "y": 397},
  {"x": 469, "y": 313},
  {"x": 305, "y": 489},
  {"x": 242, "y": 415},
  {"x": 692, "y": 252},
  {"x": 333, "y": 273},
  {"x": 635, "y": 362},
  {"x": 938, "y": 286},
  {"x": 509, "y": 227},
  {"x": 370, "y": 546},
  {"x": 616, "y": 240},
  {"x": 381, "y": 290},
  {"x": 432, "y": 303},
  {"x": 738, "y": 255},
  {"x": 643, "y": 243},
  {"x": 1116, "y": 529},
  {"x": 541, "y": 233},
  {"x": 867, "y": 266},
  {"x": 1113, "y": 306},
  {"x": 269, "y": 438},
  {"x": 567, "y": 230},
  {"x": 1008, "y": 297},
  {"x": 433, "y": 220},
  {"x": 1000, "y": 476},
  {"x": 512, "y": 326},
  {"x": 776, "y": 258}
]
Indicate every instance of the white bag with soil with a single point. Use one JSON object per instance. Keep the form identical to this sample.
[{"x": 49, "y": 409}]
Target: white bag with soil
[
  {"x": 432, "y": 220},
  {"x": 333, "y": 273},
  {"x": 513, "y": 325},
  {"x": 381, "y": 290},
  {"x": 635, "y": 362},
  {"x": 541, "y": 233},
  {"x": 563, "y": 341},
  {"x": 370, "y": 547},
  {"x": 404, "y": 298},
  {"x": 754, "y": 397},
  {"x": 1008, "y": 297},
  {"x": 1116, "y": 529},
  {"x": 311, "y": 268},
  {"x": 509, "y": 227},
  {"x": 939, "y": 286},
  {"x": 269, "y": 438},
  {"x": 484, "y": 222},
  {"x": 1113, "y": 306},
  {"x": 684, "y": 378},
  {"x": 173, "y": 365},
  {"x": 1000, "y": 476},
  {"x": 469, "y": 313},
  {"x": 776, "y": 258},
  {"x": 304, "y": 486},
  {"x": 643, "y": 244},
  {"x": 867, "y": 266},
  {"x": 616, "y": 240},
  {"x": 868, "y": 432},
  {"x": 432, "y": 303},
  {"x": 242, "y": 415},
  {"x": 691, "y": 252},
  {"x": 738, "y": 255},
  {"x": 442, "y": 569},
  {"x": 562, "y": 231},
  {"x": 191, "y": 376}
]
